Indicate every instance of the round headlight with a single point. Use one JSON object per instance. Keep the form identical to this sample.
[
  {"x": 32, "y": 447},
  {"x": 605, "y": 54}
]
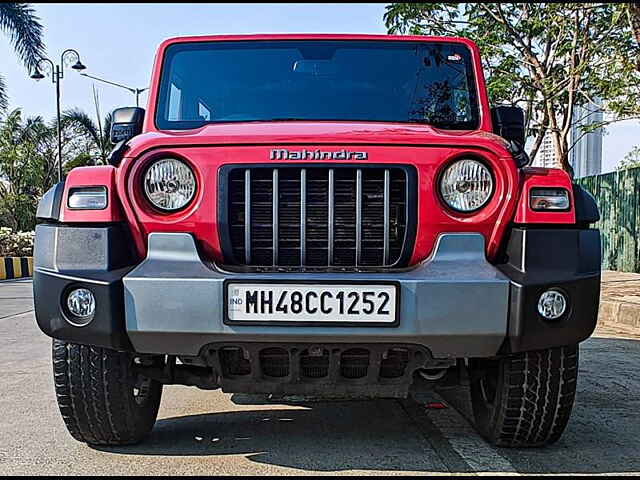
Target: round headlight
[
  {"x": 169, "y": 184},
  {"x": 466, "y": 185}
]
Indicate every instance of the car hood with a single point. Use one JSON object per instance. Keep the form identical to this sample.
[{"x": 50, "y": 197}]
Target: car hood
[{"x": 316, "y": 133}]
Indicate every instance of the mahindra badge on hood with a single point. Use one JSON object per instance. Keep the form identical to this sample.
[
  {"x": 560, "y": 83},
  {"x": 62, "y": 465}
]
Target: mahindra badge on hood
[{"x": 304, "y": 154}]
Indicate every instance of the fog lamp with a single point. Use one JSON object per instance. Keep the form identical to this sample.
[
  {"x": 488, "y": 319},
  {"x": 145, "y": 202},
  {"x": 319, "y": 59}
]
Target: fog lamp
[
  {"x": 552, "y": 304},
  {"x": 82, "y": 304}
]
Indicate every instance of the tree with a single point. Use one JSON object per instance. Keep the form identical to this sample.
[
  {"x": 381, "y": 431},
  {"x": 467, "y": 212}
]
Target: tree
[
  {"x": 631, "y": 159},
  {"x": 96, "y": 134},
  {"x": 23, "y": 27},
  {"x": 21, "y": 168},
  {"x": 545, "y": 57},
  {"x": 28, "y": 164},
  {"x": 632, "y": 11}
]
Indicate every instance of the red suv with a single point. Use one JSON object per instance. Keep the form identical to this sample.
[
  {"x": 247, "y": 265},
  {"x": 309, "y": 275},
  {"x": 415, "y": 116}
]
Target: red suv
[{"x": 317, "y": 215}]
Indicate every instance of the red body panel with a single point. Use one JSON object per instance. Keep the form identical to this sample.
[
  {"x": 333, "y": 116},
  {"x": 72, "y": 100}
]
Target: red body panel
[
  {"x": 543, "y": 177},
  {"x": 316, "y": 133},
  {"x": 433, "y": 216},
  {"x": 89, "y": 177},
  {"x": 428, "y": 149}
]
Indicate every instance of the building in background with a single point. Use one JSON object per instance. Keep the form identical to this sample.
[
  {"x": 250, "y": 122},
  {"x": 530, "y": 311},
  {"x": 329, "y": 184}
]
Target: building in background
[
  {"x": 586, "y": 154},
  {"x": 546, "y": 156}
]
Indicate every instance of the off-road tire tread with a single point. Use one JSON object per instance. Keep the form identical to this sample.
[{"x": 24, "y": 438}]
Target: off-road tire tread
[
  {"x": 536, "y": 391},
  {"x": 93, "y": 388}
]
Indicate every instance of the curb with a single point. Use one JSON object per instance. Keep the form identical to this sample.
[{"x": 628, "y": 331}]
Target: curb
[
  {"x": 619, "y": 314},
  {"x": 15, "y": 267}
]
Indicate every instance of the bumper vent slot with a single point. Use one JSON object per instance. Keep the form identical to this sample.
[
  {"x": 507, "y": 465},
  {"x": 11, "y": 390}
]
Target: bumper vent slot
[
  {"x": 233, "y": 362},
  {"x": 394, "y": 363},
  {"x": 314, "y": 366},
  {"x": 316, "y": 216},
  {"x": 354, "y": 363},
  {"x": 274, "y": 362}
]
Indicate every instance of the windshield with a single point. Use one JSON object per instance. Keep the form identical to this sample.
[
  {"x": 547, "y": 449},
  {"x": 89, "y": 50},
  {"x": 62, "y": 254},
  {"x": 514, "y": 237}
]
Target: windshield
[{"x": 384, "y": 81}]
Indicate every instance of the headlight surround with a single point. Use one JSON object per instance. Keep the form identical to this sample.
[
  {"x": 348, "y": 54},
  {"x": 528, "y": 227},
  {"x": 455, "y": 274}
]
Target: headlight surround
[
  {"x": 169, "y": 184},
  {"x": 466, "y": 185}
]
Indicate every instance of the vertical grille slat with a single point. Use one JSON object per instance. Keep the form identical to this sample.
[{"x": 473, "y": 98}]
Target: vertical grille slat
[
  {"x": 332, "y": 215},
  {"x": 247, "y": 216},
  {"x": 358, "y": 217},
  {"x": 385, "y": 260},
  {"x": 275, "y": 227},
  {"x": 303, "y": 217},
  {"x": 316, "y": 216}
]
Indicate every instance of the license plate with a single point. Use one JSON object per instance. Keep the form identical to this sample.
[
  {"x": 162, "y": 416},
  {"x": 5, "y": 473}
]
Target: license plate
[{"x": 327, "y": 304}]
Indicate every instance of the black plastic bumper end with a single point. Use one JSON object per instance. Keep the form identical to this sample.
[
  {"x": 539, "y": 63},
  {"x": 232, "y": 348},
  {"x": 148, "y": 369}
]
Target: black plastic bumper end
[
  {"x": 567, "y": 260},
  {"x": 105, "y": 329}
]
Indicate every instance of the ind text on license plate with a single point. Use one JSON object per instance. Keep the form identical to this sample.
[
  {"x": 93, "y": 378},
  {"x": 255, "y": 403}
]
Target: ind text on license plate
[{"x": 323, "y": 303}]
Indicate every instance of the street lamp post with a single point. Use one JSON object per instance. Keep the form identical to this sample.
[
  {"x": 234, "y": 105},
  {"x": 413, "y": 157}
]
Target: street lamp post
[
  {"x": 57, "y": 73},
  {"x": 135, "y": 91}
]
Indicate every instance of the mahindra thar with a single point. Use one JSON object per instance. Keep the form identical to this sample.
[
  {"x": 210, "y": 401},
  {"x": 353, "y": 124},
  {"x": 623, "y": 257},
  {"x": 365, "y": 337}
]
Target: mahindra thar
[{"x": 317, "y": 215}]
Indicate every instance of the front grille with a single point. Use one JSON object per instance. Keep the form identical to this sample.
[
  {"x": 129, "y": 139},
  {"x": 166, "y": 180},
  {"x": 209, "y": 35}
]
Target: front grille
[{"x": 317, "y": 216}]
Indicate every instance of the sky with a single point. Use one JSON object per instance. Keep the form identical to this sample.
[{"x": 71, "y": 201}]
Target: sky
[{"x": 117, "y": 42}]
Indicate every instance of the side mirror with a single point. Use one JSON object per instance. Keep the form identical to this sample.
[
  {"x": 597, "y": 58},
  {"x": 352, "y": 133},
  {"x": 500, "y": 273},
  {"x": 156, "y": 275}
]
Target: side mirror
[
  {"x": 508, "y": 122},
  {"x": 126, "y": 123}
]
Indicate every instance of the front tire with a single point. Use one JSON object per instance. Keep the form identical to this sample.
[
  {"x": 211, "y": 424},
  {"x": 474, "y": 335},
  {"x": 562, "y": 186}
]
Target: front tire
[
  {"x": 101, "y": 399},
  {"x": 525, "y": 399}
]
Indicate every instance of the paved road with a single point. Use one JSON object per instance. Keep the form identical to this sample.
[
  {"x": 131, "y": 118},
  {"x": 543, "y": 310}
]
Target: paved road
[{"x": 202, "y": 432}]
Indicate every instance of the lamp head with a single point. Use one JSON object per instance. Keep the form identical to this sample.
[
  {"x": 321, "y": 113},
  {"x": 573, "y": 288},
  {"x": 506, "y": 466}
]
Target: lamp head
[
  {"x": 78, "y": 66},
  {"x": 37, "y": 75}
]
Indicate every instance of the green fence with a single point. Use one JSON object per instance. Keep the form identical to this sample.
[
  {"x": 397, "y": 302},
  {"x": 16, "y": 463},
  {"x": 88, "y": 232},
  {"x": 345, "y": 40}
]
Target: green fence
[{"x": 618, "y": 198}]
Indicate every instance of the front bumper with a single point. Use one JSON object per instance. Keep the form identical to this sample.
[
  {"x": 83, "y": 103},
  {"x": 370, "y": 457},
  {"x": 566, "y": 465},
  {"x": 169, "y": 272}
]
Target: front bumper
[{"x": 455, "y": 304}]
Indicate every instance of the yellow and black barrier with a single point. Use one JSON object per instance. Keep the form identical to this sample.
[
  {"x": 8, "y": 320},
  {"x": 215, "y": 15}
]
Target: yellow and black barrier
[{"x": 15, "y": 267}]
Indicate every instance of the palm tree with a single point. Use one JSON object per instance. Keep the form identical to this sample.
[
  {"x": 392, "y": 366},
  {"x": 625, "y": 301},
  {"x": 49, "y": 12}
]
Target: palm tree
[
  {"x": 19, "y": 22},
  {"x": 26, "y": 167},
  {"x": 28, "y": 163},
  {"x": 97, "y": 133}
]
